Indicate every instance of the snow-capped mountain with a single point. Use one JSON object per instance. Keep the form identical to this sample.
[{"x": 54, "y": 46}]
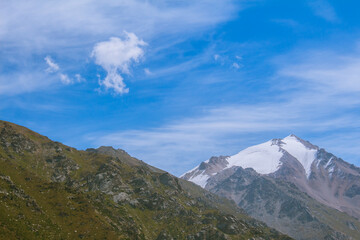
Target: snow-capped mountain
[
  {"x": 324, "y": 177},
  {"x": 265, "y": 158}
]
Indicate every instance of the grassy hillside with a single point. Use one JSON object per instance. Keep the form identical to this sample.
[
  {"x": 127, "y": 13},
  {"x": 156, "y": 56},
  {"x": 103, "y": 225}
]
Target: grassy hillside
[{"x": 52, "y": 191}]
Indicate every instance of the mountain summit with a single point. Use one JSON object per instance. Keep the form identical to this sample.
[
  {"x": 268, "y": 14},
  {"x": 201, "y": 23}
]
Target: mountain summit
[
  {"x": 265, "y": 158},
  {"x": 277, "y": 169}
]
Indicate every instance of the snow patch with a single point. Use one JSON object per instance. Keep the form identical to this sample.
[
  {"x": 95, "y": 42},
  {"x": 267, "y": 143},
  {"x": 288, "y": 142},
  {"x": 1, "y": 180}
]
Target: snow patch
[
  {"x": 329, "y": 162},
  {"x": 195, "y": 169},
  {"x": 263, "y": 158},
  {"x": 192, "y": 170},
  {"x": 200, "y": 179},
  {"x": 303, "y": 154},
  {"x": 331, "y": 170}
]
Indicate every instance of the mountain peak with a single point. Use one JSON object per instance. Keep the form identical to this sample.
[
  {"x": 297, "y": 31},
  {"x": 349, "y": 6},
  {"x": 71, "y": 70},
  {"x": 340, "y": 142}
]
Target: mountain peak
[
  {"x": 108, "y": 150},
  {"x": 293, "y": 136},
  {"x": 265, "y": 158}
]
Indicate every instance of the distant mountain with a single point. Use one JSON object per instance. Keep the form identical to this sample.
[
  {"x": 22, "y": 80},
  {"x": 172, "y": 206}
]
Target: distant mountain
[
  {"x": 52, "y": 191},
  {"x": 291, "y": 184}
]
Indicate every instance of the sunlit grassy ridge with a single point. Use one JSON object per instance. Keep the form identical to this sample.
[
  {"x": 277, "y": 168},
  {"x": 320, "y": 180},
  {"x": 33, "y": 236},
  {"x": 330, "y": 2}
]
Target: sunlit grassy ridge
[{"x": 52, "y": 191}]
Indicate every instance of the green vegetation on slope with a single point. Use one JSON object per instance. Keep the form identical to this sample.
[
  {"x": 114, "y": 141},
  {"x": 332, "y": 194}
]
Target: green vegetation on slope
[{"x": 51, "y": 191}]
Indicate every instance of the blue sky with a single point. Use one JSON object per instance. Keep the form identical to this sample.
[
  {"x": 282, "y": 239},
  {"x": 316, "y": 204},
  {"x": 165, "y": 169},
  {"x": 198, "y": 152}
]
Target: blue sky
[{"x": 175, "y": 82}]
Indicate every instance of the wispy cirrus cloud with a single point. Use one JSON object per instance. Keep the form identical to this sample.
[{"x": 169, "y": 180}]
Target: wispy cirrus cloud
[
  {"x": 233, "y": 62},
  {"x": 323, "y": 9},
  {"x": 53, "y": 68},
  {"x": 223, "y": 130},
  {"x": 70, "y": 29},
  {"x": 69, "y": 19},
  {"x": 24, "y": 82},
  {"x": 335, "y": 73}
]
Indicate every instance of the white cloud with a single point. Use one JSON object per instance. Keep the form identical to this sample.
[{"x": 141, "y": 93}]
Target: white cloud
[
  {"x": 65, "y": 79},
  {"x": 229, "y": 61},
  {"x": 68, "y": 19},
  {"x": 71, "y": 28},
  {"x": 79, "y": 78},
  {"x": 147, "y": 71},
  {"x": 326, "y": 71},
  {"x": 114, "y": 81},
  {"x": 119, "y": 53},
  {"x": 323, "y": 9},
  {"x": 235, "y": 65},
  {"x": 116, "y": 56},
  {"x": 24, "y": 82},
  {"x": 52, "y": 66},
  {"x": 185, "y": 66}
]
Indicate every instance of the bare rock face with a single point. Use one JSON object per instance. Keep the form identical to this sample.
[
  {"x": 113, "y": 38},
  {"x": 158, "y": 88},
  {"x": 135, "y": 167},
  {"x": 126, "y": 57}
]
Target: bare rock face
[
  {"x": 206, "y": 169},
  {"x": 332, "y": 181},
  {"x": 291, "y": 184},
  {"x": 11, "y": 139}
]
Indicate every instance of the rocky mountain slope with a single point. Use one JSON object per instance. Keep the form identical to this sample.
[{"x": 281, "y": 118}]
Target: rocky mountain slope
[
  {"x": 291, "y": 184},
  {"x": 52, "y": 191}
]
